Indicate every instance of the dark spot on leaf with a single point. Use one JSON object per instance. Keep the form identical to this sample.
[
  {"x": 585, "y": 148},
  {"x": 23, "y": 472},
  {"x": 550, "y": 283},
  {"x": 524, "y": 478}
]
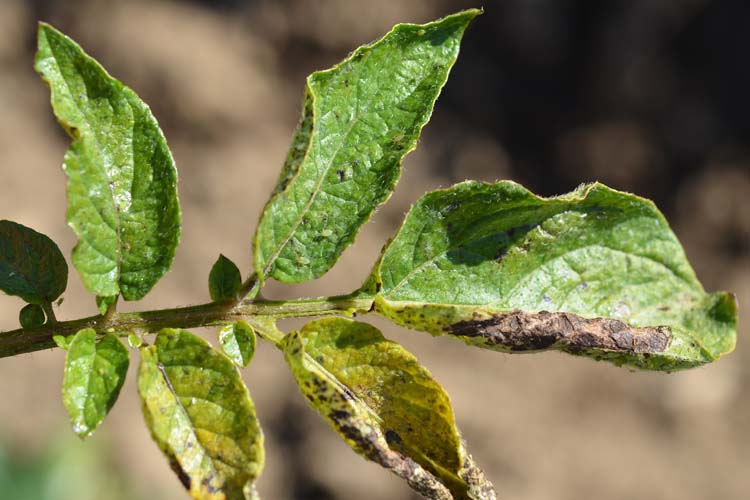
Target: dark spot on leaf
[
  {"x": 351, "y": 432},
  {"x": 181, "y": 474},
  {"x": 74, "y": 132},
  {"x": 501, "y": 253},
  {"x": 392, "y": 437},
  {"x": 340, "y": 415},
  {"x": 341, "y": 174},
  {"x": 206, "y": 483}
]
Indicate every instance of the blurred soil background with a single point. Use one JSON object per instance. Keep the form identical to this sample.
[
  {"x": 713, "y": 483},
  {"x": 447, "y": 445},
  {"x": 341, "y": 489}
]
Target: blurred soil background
[{"x": 649, "y": 97}]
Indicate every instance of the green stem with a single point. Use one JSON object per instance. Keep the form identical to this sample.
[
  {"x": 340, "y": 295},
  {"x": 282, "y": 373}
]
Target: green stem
[
  {"x": 261, "y": 313},
  {"x": 265, "y": 328},
  {"x": 249, "y": 288}
]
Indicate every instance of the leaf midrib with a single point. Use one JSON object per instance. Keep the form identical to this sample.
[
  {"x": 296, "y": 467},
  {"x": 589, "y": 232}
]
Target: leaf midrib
[
  {"x": 162, "y": 371},
  {"x": 318, "y": 183},
  {"x": 419, "y": 268},
  {"x": 369, "y": 411},
  {"x": 118, "y": 223}
]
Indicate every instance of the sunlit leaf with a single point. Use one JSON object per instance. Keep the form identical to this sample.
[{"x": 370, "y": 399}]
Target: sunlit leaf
[
  {"x": 201, "y": 416},
  {"x": 360, "y": 118},
  {"x": 103, "y": 304},
  {"x": 31, "y": 265},
  {"x": 94, "y": 373},
  {"x": 595, "y": 272},
  {"x": 238, "y": 342},
  {"x": 122, "y": 180},
  {"x": 385, "y": 405},
  {"x": 135, "y": 341},
  {"x": 63, "y": 341}
]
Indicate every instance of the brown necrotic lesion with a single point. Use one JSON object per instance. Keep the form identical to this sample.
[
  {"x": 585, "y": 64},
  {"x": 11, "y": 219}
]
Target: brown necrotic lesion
[{"x": 522, "y": 331}]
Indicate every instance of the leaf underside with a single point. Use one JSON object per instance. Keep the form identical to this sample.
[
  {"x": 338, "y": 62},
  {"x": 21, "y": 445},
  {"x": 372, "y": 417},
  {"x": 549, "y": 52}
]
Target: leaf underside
[
  {"x": 31, "y": 265},
  {"x": 122, "y": 180},
  {"x": 94, "y": 374},
  {"x": 200, "y": 414},
  {"x": 360, "y": 118},
  {"x": 596, "y": 272},
  {"x": 385, "y": 405}
]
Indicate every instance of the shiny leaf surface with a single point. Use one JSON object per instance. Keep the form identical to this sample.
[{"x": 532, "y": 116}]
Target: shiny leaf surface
[
  {"x": 238, "y": 342},
  {"x": 201, "y": 416},
  {"x": 360, "y": 118},
  {"x": 122, "y": 180},
  {"x": 385, "y": 405},
  {"x": 595, "y": 272},
  {"x": 94, "y": 374}
]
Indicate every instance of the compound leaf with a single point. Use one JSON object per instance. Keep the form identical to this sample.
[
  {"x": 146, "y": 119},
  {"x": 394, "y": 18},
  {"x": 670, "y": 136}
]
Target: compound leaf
[
  {"x": 238, "y": 342},
  {"x": 385, "y": 405},
  {"x": 94, "y": 374},
  {"x": 122, "y": 180},
  {"x": 360, "y": 118},
  {"x": 31, "y": 265},
  {"x": 224, "y": 280},
  {"x": 200, "y": 414},
  {"x": 595, "y": 272}
]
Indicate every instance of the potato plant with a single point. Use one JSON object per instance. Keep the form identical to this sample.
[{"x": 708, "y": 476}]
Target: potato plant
[{"x": 595, "y": 272}]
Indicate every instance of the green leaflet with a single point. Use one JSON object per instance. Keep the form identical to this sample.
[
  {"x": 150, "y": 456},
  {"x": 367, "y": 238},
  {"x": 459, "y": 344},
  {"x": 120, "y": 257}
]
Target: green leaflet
[
  {"x": 224, "y": 280},
  {"x": 31, "y": 316},
  {"x": 385, "y": 405},
  {"x": 94, "y": 374},
  {"x": 135, "y": 341},
  {"x": 238, "y": 342},
  {"x": 31, "y": 265},
  {"x": 201, "y": 416},
  {"x": 62, "y": 341},
  {"x": 122, "y": 180},
  {"x": 360, "y": 118},
  {"x": 103, "y": 304},
  {"x": 469, "y": 259}
]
